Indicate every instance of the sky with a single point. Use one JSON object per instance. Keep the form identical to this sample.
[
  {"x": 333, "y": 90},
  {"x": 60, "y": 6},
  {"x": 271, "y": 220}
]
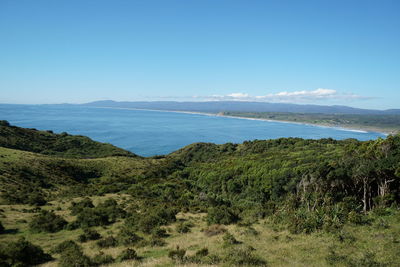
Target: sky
[{"x": 342, "y": 52}]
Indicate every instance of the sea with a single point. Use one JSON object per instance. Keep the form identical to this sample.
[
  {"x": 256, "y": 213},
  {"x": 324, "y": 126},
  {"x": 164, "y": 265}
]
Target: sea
[{"x": 149, "y": 132}]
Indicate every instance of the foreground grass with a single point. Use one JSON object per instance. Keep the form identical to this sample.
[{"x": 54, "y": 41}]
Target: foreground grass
[{"x": 277, "y": 246}]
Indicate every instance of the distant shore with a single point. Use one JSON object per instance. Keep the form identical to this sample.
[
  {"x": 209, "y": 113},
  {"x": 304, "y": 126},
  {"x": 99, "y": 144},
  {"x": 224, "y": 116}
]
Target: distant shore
[{"x": 341, "y": 127}]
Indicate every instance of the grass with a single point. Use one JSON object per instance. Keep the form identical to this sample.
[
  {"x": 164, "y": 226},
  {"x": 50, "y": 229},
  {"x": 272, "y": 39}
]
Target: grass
[{"x": 277, "y": 247}]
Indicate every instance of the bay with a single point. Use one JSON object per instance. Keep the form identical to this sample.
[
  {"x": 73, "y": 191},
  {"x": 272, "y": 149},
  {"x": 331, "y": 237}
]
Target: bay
[{"x": 149, "y": 133}]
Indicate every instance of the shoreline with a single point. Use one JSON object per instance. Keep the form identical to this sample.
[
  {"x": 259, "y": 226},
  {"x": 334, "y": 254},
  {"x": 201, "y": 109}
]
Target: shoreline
[{"x": 343, "y": 128}]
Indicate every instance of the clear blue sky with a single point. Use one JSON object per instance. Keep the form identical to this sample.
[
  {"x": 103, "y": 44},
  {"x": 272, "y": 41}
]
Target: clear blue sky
[{"x": 323, "y": 52}]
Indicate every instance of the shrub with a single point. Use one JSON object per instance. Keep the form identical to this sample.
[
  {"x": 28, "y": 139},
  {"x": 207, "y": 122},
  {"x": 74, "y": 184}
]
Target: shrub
[
  {"x": 356, "y": 218},
  {"x": 72, "y": 226},
  {"x": 156, "y": 242},
  {"x": 243, "y": 256},
  {"x": 73, "y": 256},
  {"x": 78, "y": 207},
  {"x": 68, "y": 244},
  {"x": 184, "y": 227},
  {"x": 344, "y": 236},
  {"x": 92, "y": 217},
  {"x": 334, "y": 259},
  {"x": 177, "y": 255},
  {"x": 215, "y": 229},
  {"x": 202, "y": 256},
  {"x": 250, "y": 231},
  {"x": 101, "y": 258},
  {"x": 47, "y": 221},
  {"x": 36, "y": 198},
  {"x": 89, "y": 234},
  {"x": 381, "y": 223},
  {"x": 159, "y": 232},
  {"x": 202, "y": 252},
  {"x": 107, "y": 242},
  {"x": 22, "y": 253},
  {"x": 367, "y": 260},
  {"x": 127, "y": 237},
  {"x": 111, "y": 208},
  {"x": 154, "y": 217},
  {"x": 220, "y": 215},
  {"x": 228, "y": 240},
  {"x": 128, "y": 254}
]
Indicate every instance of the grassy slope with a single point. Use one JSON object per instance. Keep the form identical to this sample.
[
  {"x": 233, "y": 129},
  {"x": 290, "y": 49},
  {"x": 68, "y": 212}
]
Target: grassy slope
[
  {"x": 205, "y": 162},
  {"x": 277, "y": 246},
  {"x": 23, "y": 168},
  {"x": 63, "y": 145}
]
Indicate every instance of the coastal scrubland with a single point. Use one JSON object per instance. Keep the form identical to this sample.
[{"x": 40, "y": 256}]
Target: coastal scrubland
[{"x": 283, "y": 202}]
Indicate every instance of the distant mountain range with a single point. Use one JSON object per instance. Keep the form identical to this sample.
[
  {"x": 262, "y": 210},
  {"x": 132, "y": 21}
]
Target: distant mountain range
[{"x": 238, "y": 106}]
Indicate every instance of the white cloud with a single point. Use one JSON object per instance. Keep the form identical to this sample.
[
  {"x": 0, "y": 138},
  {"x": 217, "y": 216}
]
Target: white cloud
[
  {"x": 305, "y": 96},
  {"x": 238, "y": 95}
]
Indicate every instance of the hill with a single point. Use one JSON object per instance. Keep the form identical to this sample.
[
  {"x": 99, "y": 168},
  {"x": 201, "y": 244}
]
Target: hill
[
  {"x": 49, "y": 143},
  {"x": 370, "y": 122},
  {"x": 278, "y": 202},
  {"x": 238, "y": 106}
]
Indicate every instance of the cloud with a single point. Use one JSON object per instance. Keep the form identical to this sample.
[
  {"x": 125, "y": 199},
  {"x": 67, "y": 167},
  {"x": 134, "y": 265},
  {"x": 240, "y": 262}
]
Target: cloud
[
  {"x": 305, "y": 96},
  {"x": 238, "y": 95}
]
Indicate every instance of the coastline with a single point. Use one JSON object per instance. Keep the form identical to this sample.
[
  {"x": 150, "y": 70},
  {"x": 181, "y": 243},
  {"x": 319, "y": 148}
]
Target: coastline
[{"x": 340, "y": 127}]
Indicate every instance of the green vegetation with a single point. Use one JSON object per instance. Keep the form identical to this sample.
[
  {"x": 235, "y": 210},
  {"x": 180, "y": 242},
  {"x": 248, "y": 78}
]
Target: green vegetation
[
  {"x": 278, "y": 202},
  {"x": 47, "y": 221},
  {"x": 49, "y": 143},
  {"x": 373, "y": 122},
  {"x": 21, "y": 253}
]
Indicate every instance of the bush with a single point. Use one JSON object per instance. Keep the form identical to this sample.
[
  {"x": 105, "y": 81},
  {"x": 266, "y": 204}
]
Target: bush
[
  {"x": 344, "y": 236},
  {"x": 215, "y": 229},
  {"x": 220, "y": 215},
  {"x": 367, "y": 260},
  {"x": 229, "y": 240},
  {"x": 202, "y": 252},
  {"x": 72, "y": 226},
  {"x": 68, "y": 244},
  {"x": 78, "y": 207},
  {"x": 91, "y": 217},
  {"x": 177, "y": 255},
  {"x": 356, "y": 218},
  {"x": 334, "y": 258},
  {"x": 243, "y": 256},
  {"x": 128, "y": 254},
  {"x": 151, "y": 218},
  {"x": 102, "y": 258},
  {"x": 127, "y": 237},
  {"x": 22, "y": 253},
  {"x": 112, "y": 209},
  {"x": 89, "y": 234},
  {"x": 159, "y": 232},
  {"x": 47, "y": 221},
  {"x": 184, "y": 227},
  {"x": 381, "y": 223},
  {"x": 36, "y": 198},
  {"x": 202, "y": 256},
  {"x": 107, "y": 242},
  {"x": 155, "y": 242},
  {"x": 73, "y": 256}
]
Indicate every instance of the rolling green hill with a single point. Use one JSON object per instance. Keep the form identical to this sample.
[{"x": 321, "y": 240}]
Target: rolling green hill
[
  {"x": 48, "y": 143},
  {"x": 278, "y": 202}
]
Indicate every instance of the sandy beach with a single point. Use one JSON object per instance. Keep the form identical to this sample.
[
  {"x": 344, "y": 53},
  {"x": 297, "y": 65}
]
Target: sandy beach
[{"x": 343, "y": 128}]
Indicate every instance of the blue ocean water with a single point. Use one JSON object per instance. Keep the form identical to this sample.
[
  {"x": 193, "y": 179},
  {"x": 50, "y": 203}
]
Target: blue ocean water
[{"x": 149, "y": 133}]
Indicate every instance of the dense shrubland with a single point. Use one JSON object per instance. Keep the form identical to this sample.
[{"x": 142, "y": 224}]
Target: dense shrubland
[
  {"x": 290, "y": 184},
  {"x": 49, "y": 143}
]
